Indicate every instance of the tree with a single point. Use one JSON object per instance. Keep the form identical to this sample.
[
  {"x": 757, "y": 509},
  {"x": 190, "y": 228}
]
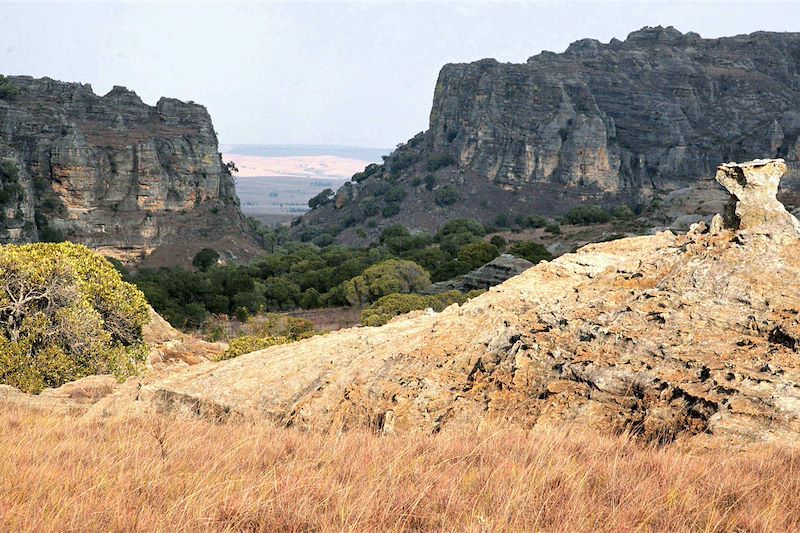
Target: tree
[
  {"x": 65, "y": 313},
  {"x": 532, "y": 251},
  {"x": 476, "y": 254},
  {"x": 230, "y": 166},
  {"x": 447, "y": 195},
  {"x": 386, "y": 277},
  {"x": 588, "y": 214},
  {"x": 205, "y": 258},
  {"x": 322, "y": 198}
]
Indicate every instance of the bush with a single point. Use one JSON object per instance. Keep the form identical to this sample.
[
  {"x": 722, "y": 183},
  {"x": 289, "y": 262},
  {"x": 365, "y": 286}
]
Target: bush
[
  {"x": 390, "y": 210},
  {"x": 501, "y": 220},
  {"x": 535, "y": 221},
  {"x": 386, "y": 277},
  {"x": 65, "y": 313},
  {"x": 248, "y": 344},
  {"x": 532, "y": 251},
  {"x": 430, "y": 182},
  {"x": 369, "y": 170},
  {"x": 476, "y": 254},
  {"x": 499, "y": 242},
  {"x": 447, "y": 195},
  {"x": 461, "y": 225},
  {"x": 322, "y": 198},
  {"x": 368, "y": 207},
  {"x": 622, "y": 212},
  {"x": 392, "y": 305},
  {"x": 588, "y": 214},
  {"x": 205, "y": 258},
  {"x": 439, "y": 161},
  {"x": 7, "y": 90},
  {"x": 395, "y": 195},
  {"x": 553, "y": 229}
]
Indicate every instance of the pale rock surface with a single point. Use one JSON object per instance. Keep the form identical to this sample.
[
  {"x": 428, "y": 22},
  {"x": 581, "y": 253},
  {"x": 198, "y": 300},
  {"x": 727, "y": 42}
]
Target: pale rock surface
[{"x": 688, "y": 336}]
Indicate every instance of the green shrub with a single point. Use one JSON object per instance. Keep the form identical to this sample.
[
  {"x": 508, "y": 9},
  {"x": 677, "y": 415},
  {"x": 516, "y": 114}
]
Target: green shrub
[
  {"x": 65, "y": 313},
  {"x": 369, "y": 170},
  {"x": 392, "y": 305},
  {"x": 622, "y": 212},
  {"x": 588, "y": 214},
  {"x": 461, "y": 225},
  {"x": 390, "y": 210},
  {"x": 532, "y": 251},
  {"x": 248, "y": 344},
  {"x": 501, "y": 220},
  {"x": 368, "y": 207},
  {"x": 439, "y": 161},
  {"x": 534, "y": 221},
  {"x": 322, "y": 198},
  {"x": 553, "y": 229},
  {"x": 430, "y": 182},
  {"x": 205, "y": 258},
  {"x": 499, "y": 242},
  {"x": 386, "y": 277},
  {"x": 447, "y": 195},
  {"x": 7, "y": 90},
  {"x": 476, "y": 254}
]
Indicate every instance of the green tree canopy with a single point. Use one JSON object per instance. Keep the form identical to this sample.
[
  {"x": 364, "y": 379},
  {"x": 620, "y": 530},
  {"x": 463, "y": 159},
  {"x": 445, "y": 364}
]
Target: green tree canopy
[
  {"x": 386, "y": 277},
  {"x": 65, "y": 313}
]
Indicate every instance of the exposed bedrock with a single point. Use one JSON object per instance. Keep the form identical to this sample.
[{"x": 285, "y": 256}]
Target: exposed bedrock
[{"x": 668, "y": 336}]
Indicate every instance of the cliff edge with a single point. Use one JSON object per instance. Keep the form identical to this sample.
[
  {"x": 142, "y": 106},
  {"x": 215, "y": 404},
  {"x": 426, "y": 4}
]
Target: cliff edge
[{"x": 110, "y": 172}]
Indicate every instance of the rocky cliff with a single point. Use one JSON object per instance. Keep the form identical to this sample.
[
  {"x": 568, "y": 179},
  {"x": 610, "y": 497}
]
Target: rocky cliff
[
  {"x": 109, "y": 171},
  {"x": 607, "y": 123},
  {"x": 668, "y": 336}
]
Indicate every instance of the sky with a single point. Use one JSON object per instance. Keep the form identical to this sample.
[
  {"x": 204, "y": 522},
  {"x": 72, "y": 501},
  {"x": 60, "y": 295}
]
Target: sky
[{"x": 354, "y": 74}]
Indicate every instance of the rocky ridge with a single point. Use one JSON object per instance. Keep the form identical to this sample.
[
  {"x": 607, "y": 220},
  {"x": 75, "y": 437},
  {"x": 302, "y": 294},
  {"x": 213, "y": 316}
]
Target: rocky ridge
[
  {"x": 668, "y": 336},
  {"x": 110, "y": 172},
  {"x": 605, "y": 123}
]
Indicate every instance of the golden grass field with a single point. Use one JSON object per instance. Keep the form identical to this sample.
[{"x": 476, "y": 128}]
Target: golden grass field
[{"x": 152, "y": 473}]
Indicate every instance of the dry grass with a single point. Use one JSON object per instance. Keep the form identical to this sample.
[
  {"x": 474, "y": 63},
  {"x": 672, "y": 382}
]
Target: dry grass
[{"x": 158, "y": 474}]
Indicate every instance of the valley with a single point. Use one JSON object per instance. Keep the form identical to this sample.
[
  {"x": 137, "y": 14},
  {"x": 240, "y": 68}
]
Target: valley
[{"x": 568, "y": 304}]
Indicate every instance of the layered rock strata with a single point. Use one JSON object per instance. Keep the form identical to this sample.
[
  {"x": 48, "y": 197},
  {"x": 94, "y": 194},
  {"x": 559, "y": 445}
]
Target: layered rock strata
[{"x": 109, "y": 171}]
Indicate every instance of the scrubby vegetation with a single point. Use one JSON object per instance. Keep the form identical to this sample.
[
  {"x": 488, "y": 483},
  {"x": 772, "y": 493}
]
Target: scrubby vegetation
[
  {"x": 7, "y": 90},
  {"x": 392, "y": 305},
  {"x": 65, "y": 313},
  {"x": 318, "y": 273},
  {"x": 262, "y": 332}
]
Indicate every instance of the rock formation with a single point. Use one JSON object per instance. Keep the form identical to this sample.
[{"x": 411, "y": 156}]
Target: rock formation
[
  {"x": 610, "y": 123},
  {"x": 754, "y": 207},
  {"x": 493, "y": 273},
  {"x": 109, "y": 171},
  {"x": 688, "y": 336}
]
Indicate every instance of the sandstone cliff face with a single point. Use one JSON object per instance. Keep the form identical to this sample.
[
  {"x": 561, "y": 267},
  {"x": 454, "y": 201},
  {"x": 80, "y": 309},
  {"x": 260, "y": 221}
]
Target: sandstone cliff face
[
  {"x": 110, "y": 171},
  {"x": 655, "y": 111},
  {"x": 609, "y": 124},
  {"x": 667, "y": 336}
]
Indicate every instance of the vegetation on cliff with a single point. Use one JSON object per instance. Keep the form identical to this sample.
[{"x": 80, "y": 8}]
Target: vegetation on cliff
[{"x": 65, "y": 313}]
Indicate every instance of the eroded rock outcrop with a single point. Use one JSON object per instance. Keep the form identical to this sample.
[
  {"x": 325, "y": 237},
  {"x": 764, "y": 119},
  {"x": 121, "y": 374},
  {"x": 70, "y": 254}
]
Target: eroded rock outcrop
[
  {"x": 754, "y": 207},
  {"x": 602, "y": 123},
  {"x": 667, "y": 336},
  {"x": 110, "y": 171}
]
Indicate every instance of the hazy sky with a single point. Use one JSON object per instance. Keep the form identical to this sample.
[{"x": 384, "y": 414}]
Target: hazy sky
[{"x": 324, "y": 73}]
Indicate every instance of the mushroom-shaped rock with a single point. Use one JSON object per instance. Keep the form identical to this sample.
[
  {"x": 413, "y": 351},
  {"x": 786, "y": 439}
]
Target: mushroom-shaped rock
[{"x": 754, "y": 208}]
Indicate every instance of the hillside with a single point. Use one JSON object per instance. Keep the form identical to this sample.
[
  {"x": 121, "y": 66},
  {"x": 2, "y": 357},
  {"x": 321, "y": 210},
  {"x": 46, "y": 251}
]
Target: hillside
[
  {"x": 111, "y": 172},
  {"x": 616, "y": 123},
  {"x": 666, "y": 336}
]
